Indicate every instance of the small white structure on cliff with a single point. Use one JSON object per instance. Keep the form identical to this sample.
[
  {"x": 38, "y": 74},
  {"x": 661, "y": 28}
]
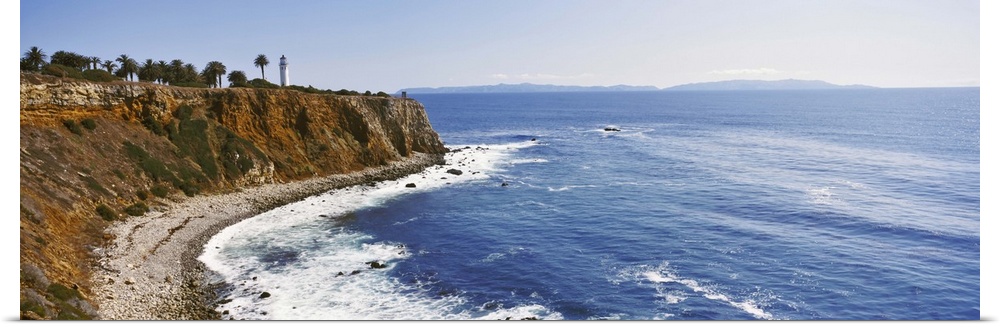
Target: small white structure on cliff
[{"x": 283, "y": 66}]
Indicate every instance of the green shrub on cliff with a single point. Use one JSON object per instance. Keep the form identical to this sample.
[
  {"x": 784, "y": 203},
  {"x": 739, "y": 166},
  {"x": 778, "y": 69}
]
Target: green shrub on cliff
[
  {"x": 89, "y": 123},
  {"x": 191, "y": 84},
  {"x": 153, "y": 125},
  {"x": 237, "y": 77},
  {"x": 183, "y": 112},
  {"x": 346, "y": 92},
  {"x": 137, "y": 209},
  {"x": 98, "y": 75},
  {"x": 32, "y": 306},
  {"x": 62, "y": 292},
  {"x": 159, "y": 191},
  {"x": 106, "y": 212},
  {"x": 72, "y": 126},
  {"x": 192, "y": 141},
  {"x": 262, "y": 84},
  {"x": 151, "y": 166},
  {"x": 68, "y": 301},
  {"x": 189, "y": 189},
  {"x": 58, "y": 70}
]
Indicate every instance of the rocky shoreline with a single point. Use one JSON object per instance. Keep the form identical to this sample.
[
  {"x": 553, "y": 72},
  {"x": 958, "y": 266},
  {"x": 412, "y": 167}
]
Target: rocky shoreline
[{"x": 149, "y": 269}]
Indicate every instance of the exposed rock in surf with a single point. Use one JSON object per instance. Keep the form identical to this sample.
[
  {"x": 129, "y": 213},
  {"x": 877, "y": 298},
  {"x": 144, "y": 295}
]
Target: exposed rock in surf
[
  {"x": 355, "y": 272},
  {"x": 612, "y": 129},
  {"x": 454, "y": 171},
  {"x": 411, "y": 185},
  {"x": 375, "y": 264},
  {"x": 265, "y": 295},
  {"x": 504, "y": 184}
]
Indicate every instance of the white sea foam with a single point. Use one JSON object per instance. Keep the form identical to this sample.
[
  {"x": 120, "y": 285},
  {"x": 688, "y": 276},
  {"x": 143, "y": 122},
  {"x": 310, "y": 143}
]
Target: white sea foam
[
  {"x": 513, "y": 251},
  {"x": 313, "y": 270},
  {"x": 664, "y": 275},
  {"x": 528, "y": 160},
  {"x": 570, "y": 187}
]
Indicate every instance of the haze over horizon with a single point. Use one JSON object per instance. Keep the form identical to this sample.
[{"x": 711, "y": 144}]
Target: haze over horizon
[{"x": 390, "y": 45}]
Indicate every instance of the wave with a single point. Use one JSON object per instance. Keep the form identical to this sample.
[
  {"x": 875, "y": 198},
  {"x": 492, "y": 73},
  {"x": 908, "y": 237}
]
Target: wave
[
  {"x": 664, "y": 275},
  {"x": 570, "y": 187},
  {"x": 312, "y": 268}
]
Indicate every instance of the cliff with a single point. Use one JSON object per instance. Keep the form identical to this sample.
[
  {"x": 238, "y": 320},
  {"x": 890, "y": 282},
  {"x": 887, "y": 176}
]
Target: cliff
[{"x": 92, "y": 153}]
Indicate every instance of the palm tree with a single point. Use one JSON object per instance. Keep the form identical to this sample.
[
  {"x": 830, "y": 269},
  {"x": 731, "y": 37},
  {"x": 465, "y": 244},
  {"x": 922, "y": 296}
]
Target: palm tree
[
  {"x": 215, "y": 69},
  {"x": 96, "y": 61},
  {"x": 208, "y": 76},
  {"x": 189, "y": 74},
  {"x": 128, "y": 68},
  {"x": 174, "y": 73},
  {"x": 147, "y": 72},
  {"x": 109, "y": 65},
  {"x": 35, "y": 58},
  {"x": 261, "y": 61},
  {"x": 161, "y": 71}
]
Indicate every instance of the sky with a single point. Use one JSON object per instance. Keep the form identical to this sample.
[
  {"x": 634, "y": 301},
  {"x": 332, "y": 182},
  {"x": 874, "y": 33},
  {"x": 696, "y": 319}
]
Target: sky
[{"x": 391, "y": 45}]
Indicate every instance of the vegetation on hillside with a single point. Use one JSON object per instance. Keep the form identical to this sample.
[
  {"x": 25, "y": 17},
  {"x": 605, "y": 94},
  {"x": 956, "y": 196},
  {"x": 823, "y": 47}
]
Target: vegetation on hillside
[{"x": 176, "y": 72}]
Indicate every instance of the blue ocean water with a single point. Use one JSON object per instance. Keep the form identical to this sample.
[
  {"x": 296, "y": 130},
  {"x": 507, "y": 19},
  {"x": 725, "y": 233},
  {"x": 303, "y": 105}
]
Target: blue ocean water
[{"x": 785, "y": 205}]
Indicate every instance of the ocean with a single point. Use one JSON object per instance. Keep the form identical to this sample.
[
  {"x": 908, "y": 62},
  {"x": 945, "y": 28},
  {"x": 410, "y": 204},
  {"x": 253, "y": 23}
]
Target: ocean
[{"x": 727, "y": 205}]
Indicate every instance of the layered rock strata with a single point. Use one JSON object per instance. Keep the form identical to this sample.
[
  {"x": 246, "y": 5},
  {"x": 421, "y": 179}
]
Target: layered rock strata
[{"x": 96, "y": 154}]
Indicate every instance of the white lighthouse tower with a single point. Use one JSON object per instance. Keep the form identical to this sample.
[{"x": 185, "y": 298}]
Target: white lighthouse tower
[{"x": 283, "y": 65}]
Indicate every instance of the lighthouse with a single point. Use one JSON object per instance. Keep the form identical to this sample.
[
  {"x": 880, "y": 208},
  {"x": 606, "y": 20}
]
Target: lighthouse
[{"x": 283, "y": 65}]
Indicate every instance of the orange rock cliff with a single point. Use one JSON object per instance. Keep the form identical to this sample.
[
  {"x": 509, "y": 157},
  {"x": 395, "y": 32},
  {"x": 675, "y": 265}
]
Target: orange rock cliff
[{"x": 92, "y": 153}]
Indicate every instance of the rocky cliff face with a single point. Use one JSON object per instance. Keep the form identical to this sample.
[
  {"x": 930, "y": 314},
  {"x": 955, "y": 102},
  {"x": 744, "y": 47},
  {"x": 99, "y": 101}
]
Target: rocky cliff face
[{"x": 92, "y": 153}]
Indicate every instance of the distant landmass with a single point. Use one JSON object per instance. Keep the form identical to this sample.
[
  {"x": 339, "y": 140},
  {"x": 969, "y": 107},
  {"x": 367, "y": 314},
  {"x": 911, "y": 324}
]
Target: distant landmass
[
  {"x": 742, "y": 85},
  {"x": 733, "y": 85},
  {"x": 525, "y": 88}
]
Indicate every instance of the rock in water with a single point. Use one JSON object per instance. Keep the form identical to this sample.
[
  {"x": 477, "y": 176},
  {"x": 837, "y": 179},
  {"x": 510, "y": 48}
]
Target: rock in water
[
  {"x": 411, "y": 185},
  {"x": 375, "y": 264},
  {"x": 454, "y": 171},
  {"x": 265, "y": 295}
]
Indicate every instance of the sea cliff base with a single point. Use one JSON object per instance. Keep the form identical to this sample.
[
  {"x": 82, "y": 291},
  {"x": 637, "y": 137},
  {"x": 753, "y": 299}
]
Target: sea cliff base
[{"x": 149, "y": 269}]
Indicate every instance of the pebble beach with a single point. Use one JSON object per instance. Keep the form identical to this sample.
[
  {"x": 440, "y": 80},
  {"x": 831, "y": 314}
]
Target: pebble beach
[{"x": 149, "y": 269}]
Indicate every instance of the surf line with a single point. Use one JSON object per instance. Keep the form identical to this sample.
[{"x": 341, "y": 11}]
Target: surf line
[
  {"x": 747, "y": 306},
  {"x": 242, "y": 254}
]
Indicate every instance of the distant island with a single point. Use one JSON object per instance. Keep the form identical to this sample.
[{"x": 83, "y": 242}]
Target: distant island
[
  {"x": 524, "y": 88},
  {"x": 745, "y": 85},
  {"x": 733, "y": 85}
]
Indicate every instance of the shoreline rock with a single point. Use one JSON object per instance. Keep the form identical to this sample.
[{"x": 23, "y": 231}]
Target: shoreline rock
[{"x": 158, "y": 252}]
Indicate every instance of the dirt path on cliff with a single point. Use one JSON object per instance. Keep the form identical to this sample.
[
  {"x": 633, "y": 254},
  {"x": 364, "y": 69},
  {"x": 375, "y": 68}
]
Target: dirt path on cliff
[{"x": 150, "y": 270}]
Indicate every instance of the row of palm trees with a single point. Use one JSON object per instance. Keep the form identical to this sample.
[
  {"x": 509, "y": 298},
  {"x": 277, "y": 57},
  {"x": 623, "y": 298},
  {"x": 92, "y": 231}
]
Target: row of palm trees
[{"x": 125, "y": 67}]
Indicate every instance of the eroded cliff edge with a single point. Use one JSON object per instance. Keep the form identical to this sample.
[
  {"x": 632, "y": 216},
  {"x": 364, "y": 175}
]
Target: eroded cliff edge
[{"x": 92, "y": 153}]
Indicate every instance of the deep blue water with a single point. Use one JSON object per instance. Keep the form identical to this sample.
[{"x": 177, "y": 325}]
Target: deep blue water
[{"x": 846, "y": 204}]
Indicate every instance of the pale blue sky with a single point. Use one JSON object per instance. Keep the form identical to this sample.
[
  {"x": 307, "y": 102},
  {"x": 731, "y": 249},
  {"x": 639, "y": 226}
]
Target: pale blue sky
[{"x": 388, "y": 45}]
